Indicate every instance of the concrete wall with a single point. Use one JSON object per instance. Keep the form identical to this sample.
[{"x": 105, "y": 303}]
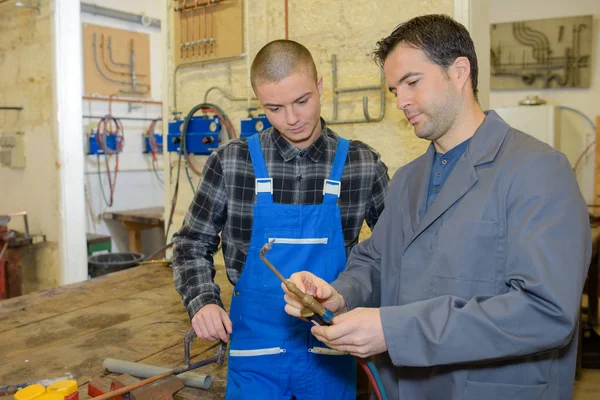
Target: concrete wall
[
  {"x": 575, "y": 133},
  {"x": 26, "y": 68},
  {"x": 349, "y": 30}
]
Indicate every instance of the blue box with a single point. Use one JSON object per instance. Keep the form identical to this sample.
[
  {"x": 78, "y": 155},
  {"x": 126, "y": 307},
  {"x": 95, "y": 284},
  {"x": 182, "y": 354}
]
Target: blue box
[
  {"x": 254, "y": 125},
  {"x": 158, "y": 138},
  {"x": 111, "y": 143},
  {"x": 202, "y": 135}
]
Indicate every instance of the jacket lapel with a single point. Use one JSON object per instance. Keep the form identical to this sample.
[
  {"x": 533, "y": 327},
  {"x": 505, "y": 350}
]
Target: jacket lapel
[
  {"x": 482, "y": 149},
  {"x": 417, "y": 188}
]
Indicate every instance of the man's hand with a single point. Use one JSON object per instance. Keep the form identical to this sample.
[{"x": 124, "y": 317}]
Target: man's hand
[
  {"x": 316, "y": 287},
  {"x": 358, "y": 332},
  {"x": 212, "y": 323}
]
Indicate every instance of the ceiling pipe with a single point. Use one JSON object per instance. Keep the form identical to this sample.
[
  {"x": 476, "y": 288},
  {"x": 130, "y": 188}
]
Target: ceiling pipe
[{"x": 120, "y": 15}]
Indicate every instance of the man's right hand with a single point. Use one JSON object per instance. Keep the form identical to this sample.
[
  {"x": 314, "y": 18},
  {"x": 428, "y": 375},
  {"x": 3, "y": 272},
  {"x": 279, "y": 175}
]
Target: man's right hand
[
  {"x": 316, "y": 287},
  {"x": 212, "y": 323}
]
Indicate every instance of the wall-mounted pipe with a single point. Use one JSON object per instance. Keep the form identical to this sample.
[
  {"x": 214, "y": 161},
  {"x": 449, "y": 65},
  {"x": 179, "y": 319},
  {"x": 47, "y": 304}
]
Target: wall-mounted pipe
[
  {"x": 12, "y": 108},
  {"x": 123, "y": 118},
  {"x": 286, "y": 12},
  {"x": 225, "y": 94},
  {"x": 120, "y": 15},
  {"x": 336, "y": 91},
  {"x": 199, "y": 62},
  {"x": 119, "y": 100}
]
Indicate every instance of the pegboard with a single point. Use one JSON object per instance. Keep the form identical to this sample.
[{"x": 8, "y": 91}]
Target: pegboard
[
  {"x": 539, "y": 54},
  {"x": 116, "y": 62},
  {"x": 206, "y": 29}
]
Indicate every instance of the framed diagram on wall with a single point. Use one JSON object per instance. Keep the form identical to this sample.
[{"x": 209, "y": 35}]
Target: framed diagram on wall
[
  {"x": 116, "y": 61},
  {"x": 538, "y": 54}
]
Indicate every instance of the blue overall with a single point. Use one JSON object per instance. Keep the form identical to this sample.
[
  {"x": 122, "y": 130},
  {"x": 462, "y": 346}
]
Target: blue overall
[{"x": 273, "y": 355}]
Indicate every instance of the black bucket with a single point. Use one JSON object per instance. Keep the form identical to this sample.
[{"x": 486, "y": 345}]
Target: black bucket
[{"x": 102, "y": 264}]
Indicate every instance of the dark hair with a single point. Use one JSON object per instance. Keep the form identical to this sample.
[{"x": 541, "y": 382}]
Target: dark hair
[
  {"x": 279, "y": 59},
  {"x": 440, "y": 37}
]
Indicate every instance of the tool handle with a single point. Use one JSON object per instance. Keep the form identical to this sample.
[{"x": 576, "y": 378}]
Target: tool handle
[{"x": 311, "y": 303}]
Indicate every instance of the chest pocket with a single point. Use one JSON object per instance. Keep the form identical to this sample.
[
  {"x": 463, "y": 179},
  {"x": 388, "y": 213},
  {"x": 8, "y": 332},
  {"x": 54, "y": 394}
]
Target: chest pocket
[{"x": 469, "y": 259}]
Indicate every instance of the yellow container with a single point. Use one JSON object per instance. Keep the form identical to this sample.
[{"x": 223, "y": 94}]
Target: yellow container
[
  {"x": 30, "y": 392},
  {"x": 65, "y": 387},
  {"x": 51, "y": 396}
]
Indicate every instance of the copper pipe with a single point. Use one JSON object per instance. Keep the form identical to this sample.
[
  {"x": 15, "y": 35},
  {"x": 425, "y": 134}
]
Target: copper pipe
[
  {"x": 187, "y": 35},
  {"x": 217, "y": 359},
  {"x": 286, "y": 19},
  {"x": 204, "y": 38},
  {"x": 199, "y": 32},
  {"x": 212, "y": 31},
  {"x": 180, "y": 34},
  {"x": 116, "y": 99}
]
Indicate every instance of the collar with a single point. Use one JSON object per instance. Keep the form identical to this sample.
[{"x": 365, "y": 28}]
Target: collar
[
  {"x": 288, "y": 151},
  {"x": 486, "y": 142}
]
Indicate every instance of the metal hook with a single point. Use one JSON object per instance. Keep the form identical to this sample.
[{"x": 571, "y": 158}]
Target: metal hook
[{"x": 381, "y": 103}]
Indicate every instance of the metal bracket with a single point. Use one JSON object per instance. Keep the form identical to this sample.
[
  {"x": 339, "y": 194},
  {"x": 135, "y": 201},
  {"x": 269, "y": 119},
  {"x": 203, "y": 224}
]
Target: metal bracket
[
  {"x": 337, "y": 91},
  {"x": 218, "y": 358}
]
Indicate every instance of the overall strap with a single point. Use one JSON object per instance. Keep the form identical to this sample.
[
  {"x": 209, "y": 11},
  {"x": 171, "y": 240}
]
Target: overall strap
[
  {"x": 263, "y": 184},
  {"x": 333, "y": 185}
]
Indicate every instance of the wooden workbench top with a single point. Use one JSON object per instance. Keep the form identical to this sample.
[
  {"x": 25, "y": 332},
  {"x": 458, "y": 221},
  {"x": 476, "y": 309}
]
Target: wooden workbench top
[
  {"x": 150, "y": 216},
  {"x": 133, "y": 315}
]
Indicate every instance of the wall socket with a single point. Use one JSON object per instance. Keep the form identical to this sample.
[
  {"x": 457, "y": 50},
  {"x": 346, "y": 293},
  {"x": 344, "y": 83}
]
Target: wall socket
[{"x": 12, "y": 150}]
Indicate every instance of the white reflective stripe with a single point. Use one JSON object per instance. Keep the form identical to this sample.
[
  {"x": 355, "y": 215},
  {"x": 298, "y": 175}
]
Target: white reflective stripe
[
  {"x": 256, "y": 352},
  {"x": 263, "y": 185},
  {"x": 332, "y": 187},
  {"x": 299, "y": 241},
  {"x": 327, "y": 351}
]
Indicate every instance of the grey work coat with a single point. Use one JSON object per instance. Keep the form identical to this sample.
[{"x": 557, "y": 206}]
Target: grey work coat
[{"x": 479, "y": 296}]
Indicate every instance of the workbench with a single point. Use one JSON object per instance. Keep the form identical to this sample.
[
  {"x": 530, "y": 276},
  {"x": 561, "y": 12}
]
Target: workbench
[
  {"x": 134, "y": 221},
  {"x": 134, "y": 315}
]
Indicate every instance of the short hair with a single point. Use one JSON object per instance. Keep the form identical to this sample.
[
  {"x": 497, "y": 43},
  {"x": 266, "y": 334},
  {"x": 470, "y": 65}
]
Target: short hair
[
  {"x": 279, "y": 59},
  {"x": 440, "y": 37}
]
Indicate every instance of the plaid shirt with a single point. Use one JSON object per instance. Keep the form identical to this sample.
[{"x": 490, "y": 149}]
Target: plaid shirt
[{"x": 225, "y": 198}]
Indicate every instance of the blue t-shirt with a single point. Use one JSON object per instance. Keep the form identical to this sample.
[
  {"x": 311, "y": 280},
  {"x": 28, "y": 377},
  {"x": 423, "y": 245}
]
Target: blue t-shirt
[{"x": 443, "y": 164}]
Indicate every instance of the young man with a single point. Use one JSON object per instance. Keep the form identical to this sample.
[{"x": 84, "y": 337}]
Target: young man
[
  {"x": 475, "y": 269},
  {"x": 309, "y": 190}
]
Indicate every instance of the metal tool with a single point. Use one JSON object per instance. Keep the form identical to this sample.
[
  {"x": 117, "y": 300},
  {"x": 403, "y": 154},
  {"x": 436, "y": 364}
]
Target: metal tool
[
  {"x": 117, "y": 365},
  {"x": 313, "y": 310}
]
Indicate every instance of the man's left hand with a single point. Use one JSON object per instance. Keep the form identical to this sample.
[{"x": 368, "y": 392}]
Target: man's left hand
[{"x": 358, "y": 332}]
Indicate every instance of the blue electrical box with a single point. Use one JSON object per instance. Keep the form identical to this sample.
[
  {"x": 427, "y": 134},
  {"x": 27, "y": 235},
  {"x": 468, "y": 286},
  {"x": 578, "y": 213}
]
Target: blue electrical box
[
  {"x": 202, "y": 135},
  {"x": 94, "y": 148},
  {"x": 158, "y": 139},
  {"x": 253, "y": 125}
]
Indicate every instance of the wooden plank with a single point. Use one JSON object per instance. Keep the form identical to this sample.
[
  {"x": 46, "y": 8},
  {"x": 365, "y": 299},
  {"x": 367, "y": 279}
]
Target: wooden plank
[
  {"x": 222, "y": 21},
  {"x": 123, "y": 43},
  {"x": 153, "y": 215},
  {"x": 40, "y": 306},
  {"x": 134, "y": 231},
  {"x": 68, "y": 326},
  {"x": 132, "y": 340}
]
